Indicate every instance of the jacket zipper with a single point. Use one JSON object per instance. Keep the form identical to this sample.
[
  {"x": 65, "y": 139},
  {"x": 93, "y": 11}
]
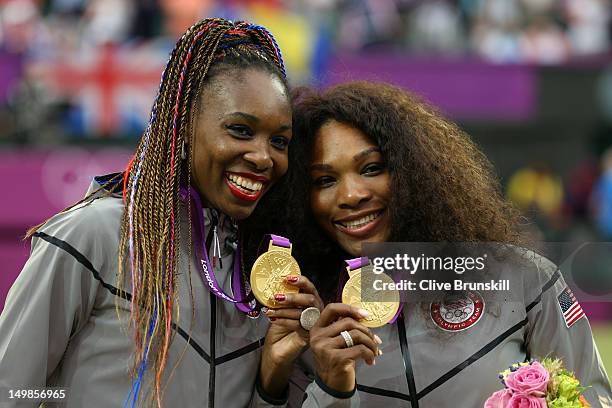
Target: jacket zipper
[
  {"x": 213, "y": 327},
  {"x": 401, "y": 330},
  {"x": 213, "y": 319}
]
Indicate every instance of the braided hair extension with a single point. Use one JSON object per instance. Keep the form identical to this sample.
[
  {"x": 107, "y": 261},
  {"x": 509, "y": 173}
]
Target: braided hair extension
[{"x": 150, "y": 229}]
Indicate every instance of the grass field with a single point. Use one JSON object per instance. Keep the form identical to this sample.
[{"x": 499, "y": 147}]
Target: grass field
[{"x": 603, "y": 337}]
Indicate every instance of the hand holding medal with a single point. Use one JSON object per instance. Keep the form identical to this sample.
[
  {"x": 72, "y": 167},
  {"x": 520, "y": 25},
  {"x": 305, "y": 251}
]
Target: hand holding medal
[
  {"x": 379, "y": 312},
  {"x": 276, "y": 283},
  {"x": 293, "y": 308},
  {"x": 338, "y": 340},
  {"x": 270, "y": 271}
]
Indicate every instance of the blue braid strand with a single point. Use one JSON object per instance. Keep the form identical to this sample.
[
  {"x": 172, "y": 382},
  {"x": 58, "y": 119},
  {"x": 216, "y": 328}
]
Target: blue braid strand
[
  {"x": 278, "y": 51},
  {"x": 135, "y": 391}
]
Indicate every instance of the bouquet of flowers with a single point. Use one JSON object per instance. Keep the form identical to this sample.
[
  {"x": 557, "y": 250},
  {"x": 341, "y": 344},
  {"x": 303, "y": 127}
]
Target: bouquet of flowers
[{"x": 545, "y": 384}]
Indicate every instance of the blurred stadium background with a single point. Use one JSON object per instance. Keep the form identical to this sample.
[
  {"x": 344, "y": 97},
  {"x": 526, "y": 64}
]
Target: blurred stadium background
[{"x": 530, "y": 80}]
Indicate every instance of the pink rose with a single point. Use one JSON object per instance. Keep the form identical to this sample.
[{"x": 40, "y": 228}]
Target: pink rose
[
  {"x": 526, "y": 401},
  {"x": 530, "y": 379},
  {"x": 499, "y": 399}
]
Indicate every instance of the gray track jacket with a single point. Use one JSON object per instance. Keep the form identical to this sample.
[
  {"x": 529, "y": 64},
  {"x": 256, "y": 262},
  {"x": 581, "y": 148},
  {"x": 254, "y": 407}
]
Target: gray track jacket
[
  {"x": 59, "y": 327},
  {"x": 423, "y": 366}
]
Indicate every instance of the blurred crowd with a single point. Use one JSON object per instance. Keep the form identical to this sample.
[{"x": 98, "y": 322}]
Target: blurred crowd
[
  {"x": 538, "y": 31},
  {"x": 576, "y": 207},
  {"x": 90, "y": 67}
]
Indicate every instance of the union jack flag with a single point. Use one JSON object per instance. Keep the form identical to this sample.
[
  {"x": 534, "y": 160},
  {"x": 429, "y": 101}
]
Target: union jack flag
[
  {"x": 112, "y": 85},
  {"x": 569, "y": 307}
]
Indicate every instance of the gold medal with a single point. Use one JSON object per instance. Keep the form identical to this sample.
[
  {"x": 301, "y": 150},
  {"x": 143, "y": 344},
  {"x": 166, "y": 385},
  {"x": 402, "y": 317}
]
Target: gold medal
[
  {"x": 269, "y": 273},
  {"x": 380, "y": 312}
]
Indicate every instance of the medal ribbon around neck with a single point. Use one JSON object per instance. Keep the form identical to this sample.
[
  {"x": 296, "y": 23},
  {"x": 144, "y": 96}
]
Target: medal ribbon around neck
[
  {"x": 358, "y": 263},
  {"x": 243, "y": 302}
]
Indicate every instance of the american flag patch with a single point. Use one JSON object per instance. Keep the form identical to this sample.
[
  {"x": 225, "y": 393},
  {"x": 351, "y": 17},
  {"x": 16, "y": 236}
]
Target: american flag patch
[{"x": 569, "y": 307}]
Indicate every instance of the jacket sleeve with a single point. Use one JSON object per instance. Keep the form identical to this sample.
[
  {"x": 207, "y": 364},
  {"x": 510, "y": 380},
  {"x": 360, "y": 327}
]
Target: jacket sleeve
[
  {"x": 548, "y": 334},
  {"x": 50, "y": 300},
  {"x": 262, "y": 400},
  {"x": 318, "y": 394},
  {"x": 309, "y": 391}
]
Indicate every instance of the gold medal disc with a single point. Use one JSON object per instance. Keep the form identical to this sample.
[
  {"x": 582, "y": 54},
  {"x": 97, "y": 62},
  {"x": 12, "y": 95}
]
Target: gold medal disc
[
  {"x": 380, "y": 312},
  {"x": 268, "y": 276}
]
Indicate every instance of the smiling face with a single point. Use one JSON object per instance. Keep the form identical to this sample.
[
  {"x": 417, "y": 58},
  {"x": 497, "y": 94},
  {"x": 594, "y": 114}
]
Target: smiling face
[
  {"x": 241, "y": 140},
  {"x": 350, "y": 187}
]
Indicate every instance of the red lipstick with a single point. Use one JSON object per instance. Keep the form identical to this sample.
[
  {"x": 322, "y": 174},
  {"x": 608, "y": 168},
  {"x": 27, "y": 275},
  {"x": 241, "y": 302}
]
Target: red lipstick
[{"x": 241, "y": 194}]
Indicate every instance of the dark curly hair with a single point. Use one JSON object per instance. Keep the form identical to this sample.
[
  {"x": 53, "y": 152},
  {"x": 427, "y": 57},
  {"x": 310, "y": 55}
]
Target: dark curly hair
[{"x": 442, "y": 186}]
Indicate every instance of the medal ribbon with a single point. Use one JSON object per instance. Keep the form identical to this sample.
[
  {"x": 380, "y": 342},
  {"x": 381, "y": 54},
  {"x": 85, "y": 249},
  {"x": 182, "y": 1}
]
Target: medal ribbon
[
  {"x": 280, "y": 241},
  {"x": 242, "y": 300},
  {"x": 360, "y": 262},
  {"x": 277, "y": 240}
]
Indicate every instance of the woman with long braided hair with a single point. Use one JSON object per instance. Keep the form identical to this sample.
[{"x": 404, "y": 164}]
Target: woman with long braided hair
[{"x": 118, "y": 303}]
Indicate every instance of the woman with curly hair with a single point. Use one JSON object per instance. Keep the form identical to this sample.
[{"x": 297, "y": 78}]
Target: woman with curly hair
[
  {"x": 137, "y": 295},
  {"x": 377, "y": 165}
]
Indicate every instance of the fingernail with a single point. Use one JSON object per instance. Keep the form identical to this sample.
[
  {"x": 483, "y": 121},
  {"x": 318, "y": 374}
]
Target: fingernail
[
  {"x": 280, "y": 297},
  {"x": 363, "y": 312},
  {"x": 374, "y": 362},
  {"x": 377, "y": 339},
  {"x": 269, "y": 312},
  {"x": 292, "y": 278},
  {"x": 380, "y": 353}
]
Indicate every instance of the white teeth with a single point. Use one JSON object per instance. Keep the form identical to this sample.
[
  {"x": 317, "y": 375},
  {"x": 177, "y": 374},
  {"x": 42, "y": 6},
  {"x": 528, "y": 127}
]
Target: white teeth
[
  {"x": 244, "y": 183},
  {"x": 360, "y": 222}
]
